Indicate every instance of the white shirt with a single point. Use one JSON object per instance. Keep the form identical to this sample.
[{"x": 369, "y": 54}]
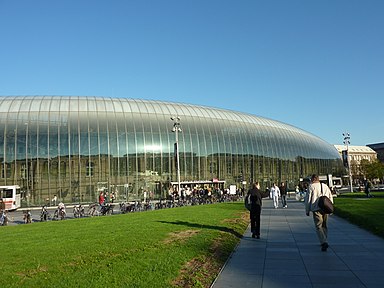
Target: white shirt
[
  {"x": 313, "y": 194},
  {"x": 275, "y": 191}
]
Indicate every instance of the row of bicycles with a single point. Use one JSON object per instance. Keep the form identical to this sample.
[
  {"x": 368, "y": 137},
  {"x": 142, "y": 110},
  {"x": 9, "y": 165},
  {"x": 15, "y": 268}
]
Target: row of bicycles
[
  {"x": 97, "y": 210},
  {"x": 60, "y": 213},
  {"x": 80, "y": 211},
  {"x": 137, "y": 206}
]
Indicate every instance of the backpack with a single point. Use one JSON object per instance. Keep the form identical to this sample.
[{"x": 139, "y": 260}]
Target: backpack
[
  {"x": 248, "y": 202},
  {"x": 325, "y": 204}
]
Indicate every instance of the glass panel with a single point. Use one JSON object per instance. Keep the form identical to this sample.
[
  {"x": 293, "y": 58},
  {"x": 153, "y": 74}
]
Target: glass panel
[
  {"x": 83, "y": 105},
  {"x": 134, "y": 106},
  {"x": 4, "y": 107},
  {"x": 100, "y": 106},
  {"x": 15, "y": 105},
  {"x": 64, "y": 105},
  {"x": 109, "y": 107},
  {"x": 53, "y": 142},
  {"x": 74, "y": 105},
  {"x": 118, "y": 108},
  {"x": 125, "y": 103},
  {"x": 113, "y": 146},
  {"x": 84, "y": 136},
  {"x": 142, "y": 107}
]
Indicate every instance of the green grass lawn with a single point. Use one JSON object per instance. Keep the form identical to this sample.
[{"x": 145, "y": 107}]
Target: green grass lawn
[
  {"x": 367, "y": 213},
  {"x": 182, "y": 247}
]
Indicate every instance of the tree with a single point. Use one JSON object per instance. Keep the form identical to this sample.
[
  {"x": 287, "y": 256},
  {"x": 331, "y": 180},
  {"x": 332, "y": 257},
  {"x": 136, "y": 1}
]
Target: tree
[
  {"x": 372, "y": 170},
  {"x": 364, "y": 167}
]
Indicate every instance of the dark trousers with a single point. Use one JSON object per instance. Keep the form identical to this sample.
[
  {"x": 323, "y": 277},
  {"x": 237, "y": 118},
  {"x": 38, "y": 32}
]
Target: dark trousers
[
  {"x": 255, "y": 220},
  {"x": 284, "y": 200}
]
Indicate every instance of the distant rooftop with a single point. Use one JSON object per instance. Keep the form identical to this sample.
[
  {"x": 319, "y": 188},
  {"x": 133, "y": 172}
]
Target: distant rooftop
[
  {"x": 355, "y": 149},
  {"x": 376, "y": 145}
]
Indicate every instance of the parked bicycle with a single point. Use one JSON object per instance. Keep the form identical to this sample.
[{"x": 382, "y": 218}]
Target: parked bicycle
[
  {"x": 92, "y": 210},
  {"x": 27, "y": 216},
  {"x": 125, "y": 207},
  {"x": 107, "y": 209},
  {"x": 44, "y": 214},
  {"x": 162, "y": 204},
  {"x": 78, "y": 211},
  {"x": 148, "y": 205},
  {"x": 60, "y": 212}
]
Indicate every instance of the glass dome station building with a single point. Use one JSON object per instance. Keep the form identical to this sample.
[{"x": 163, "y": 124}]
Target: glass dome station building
[{"x": 75, "y": 147}]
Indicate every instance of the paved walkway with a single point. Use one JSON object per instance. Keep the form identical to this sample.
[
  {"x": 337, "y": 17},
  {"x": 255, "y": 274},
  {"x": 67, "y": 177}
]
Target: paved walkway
[{"x": 288, "y": 254}]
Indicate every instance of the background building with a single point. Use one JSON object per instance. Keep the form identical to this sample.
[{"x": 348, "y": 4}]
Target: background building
[
  {"x": 357, "y": 153},
  {"x": 379, "y": 149},
  {"x": 75, "y": 147}
]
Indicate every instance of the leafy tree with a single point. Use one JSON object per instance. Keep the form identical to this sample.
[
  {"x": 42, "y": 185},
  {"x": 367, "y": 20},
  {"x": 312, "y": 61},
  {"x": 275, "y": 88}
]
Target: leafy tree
[
  {"x": 372, "y": 170},
  {"x": 364, "y": 167}
]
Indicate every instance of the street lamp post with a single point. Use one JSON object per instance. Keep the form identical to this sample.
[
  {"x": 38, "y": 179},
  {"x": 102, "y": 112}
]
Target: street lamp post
[
  {"x": 347, "y": 137},
  {"x": 176, "y": 128}
]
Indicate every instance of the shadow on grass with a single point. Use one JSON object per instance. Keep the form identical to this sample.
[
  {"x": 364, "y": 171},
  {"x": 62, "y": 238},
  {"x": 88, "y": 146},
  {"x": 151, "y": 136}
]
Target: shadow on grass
[{"x": 203, "y": 226}]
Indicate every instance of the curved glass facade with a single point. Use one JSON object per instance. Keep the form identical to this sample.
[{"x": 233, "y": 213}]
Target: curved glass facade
[{"x": 74, "y": 146}]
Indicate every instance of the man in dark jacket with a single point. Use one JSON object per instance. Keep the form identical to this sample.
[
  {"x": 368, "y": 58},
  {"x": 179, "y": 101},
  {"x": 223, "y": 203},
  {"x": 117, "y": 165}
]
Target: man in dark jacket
[
  {"x": 256, "y": 203},
  {"x": 283, "y": 193}
]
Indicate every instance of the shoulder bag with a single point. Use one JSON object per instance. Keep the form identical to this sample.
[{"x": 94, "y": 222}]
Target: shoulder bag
[{"x": 325, "y": 204}]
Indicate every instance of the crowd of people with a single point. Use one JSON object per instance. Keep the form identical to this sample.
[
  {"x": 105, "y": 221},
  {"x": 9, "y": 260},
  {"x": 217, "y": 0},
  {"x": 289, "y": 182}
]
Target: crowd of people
[{"x": 205, "y": 194}]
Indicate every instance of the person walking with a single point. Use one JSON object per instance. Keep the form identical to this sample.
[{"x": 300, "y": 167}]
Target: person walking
[
  {"x": 256, "y": 199},
  {"x": 315, "y": 190},
  {"x": 101, "y": 199},
  {"x": 54, "y": 200},
  {"x": 275, "y": 194},
  {"x": 283, "y": 193},
  {"x": 367, "y": 188}
]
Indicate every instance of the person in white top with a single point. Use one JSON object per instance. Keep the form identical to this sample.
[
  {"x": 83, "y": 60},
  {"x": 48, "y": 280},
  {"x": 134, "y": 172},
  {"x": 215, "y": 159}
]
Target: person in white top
[
  {"x": 275, "y": 194},
  {"x": 315, "y": 190}
]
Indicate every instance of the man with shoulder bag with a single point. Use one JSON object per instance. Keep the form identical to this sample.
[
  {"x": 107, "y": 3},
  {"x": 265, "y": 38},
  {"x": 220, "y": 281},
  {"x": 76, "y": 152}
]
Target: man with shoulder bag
[{"x": 314, "y": 202}]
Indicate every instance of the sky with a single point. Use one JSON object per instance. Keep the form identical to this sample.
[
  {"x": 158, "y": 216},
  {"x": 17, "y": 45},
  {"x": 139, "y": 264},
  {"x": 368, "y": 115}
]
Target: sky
[{"x": 317, "y": 65}]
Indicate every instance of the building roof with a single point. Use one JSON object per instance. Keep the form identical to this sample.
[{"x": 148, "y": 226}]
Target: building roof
[
  {"x": 376, "y": 146},
  {"x": 355, "y": 149},
  {"x": 90, "y": 111}
]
